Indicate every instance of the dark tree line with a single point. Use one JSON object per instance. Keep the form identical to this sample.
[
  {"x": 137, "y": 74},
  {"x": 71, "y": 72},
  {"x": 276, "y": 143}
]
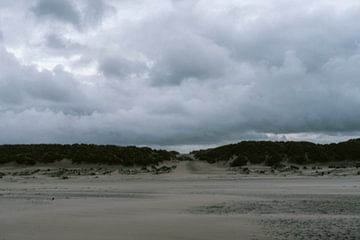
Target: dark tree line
[
  {"x": 273, "y": 153},
  {"x": 83, "y": 153}
]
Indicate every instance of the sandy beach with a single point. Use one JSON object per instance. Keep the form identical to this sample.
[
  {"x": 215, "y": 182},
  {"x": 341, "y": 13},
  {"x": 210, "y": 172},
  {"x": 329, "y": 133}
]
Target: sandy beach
[{"x": 195, "y": 201}]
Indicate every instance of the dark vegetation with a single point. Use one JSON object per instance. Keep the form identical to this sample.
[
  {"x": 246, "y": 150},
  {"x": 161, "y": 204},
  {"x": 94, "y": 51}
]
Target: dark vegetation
[
  {"x": 254, "y": 152},
  {"x": 274, "y": 153},
  {"x": 83, "y": 153}
]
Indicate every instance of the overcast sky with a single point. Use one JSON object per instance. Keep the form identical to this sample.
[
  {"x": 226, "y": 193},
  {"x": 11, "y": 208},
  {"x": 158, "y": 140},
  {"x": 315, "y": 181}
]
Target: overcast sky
[{"x": 178, "y": 74}]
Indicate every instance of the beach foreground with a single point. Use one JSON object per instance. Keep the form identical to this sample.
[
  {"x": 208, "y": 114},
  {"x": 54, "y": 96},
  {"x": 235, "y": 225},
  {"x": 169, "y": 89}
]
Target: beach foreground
[{"x": 196, "y": 201}]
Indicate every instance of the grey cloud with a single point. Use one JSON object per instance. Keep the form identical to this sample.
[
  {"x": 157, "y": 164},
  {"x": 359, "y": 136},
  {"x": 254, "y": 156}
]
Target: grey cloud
[
  {"x": 119, "y": 67},
  {"x": 186, "y": 73},
  {"x": 81, "y": 14},
  {"x": 63, "y": 10},
  {"x": 266, "y": 36},
  {"x": 178, "y": 52},
  {"x": 97, "y": 10},
  {"x": 190, "y": 58},
  {"x": 57, "y": 42},
  {"x": 25, "y": 86}
]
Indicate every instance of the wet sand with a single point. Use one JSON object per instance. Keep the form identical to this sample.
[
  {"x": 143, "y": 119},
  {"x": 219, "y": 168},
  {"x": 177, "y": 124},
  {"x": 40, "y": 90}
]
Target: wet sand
[{"x": 196, "y": 201}]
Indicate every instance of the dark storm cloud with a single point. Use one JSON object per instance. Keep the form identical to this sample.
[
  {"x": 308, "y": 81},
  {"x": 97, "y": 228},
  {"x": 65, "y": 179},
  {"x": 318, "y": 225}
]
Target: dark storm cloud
[{"x": 179, "y": 72}]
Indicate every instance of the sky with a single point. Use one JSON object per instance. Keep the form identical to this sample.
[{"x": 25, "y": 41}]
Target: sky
[{"x": 180, "y": 74}]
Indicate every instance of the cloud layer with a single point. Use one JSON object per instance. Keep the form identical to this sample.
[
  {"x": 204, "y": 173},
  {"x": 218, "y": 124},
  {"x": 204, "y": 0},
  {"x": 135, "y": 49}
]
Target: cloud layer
[{"x": 178, "y": 74}]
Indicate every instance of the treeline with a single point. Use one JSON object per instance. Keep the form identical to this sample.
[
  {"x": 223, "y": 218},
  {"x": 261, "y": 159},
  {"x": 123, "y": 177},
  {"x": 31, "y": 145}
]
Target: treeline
[
  {"x": 83, "y": 153},
  {"x": 274, "y": 153}
]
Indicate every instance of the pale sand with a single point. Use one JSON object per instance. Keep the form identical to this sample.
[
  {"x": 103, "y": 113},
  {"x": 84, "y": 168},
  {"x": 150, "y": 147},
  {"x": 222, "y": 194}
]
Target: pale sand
[{"x": 196, "y": 201}]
